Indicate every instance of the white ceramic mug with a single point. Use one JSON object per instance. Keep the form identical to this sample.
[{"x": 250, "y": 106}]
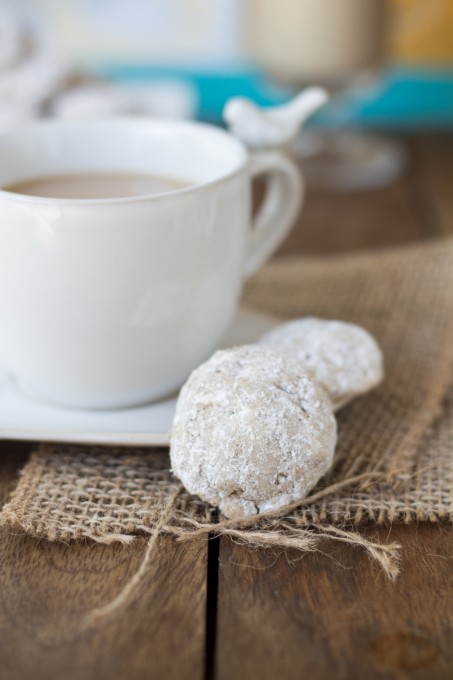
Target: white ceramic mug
[{"x": 109, "y": 303}]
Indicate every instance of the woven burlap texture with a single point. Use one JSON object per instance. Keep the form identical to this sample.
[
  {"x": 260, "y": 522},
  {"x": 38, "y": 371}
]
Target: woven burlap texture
[{"x": 394, "y": 457}]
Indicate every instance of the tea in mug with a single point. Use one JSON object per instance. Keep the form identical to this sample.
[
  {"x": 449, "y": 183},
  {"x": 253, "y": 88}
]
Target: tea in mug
[{"x": 97, "y": 185}]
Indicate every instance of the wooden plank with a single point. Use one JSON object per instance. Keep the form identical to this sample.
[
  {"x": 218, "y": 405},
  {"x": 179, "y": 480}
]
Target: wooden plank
[
  {"x": 334, "y": 223},
  {"x": 335, "y": 615},
  {"x": 47, "y": 590},
  {"x": 435, "y": 158},
  {"x": 13, "y": 455}
]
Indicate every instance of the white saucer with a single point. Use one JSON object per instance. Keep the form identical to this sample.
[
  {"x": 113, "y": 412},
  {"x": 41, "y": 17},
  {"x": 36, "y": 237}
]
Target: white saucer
[{"x": 22, "y": 417}]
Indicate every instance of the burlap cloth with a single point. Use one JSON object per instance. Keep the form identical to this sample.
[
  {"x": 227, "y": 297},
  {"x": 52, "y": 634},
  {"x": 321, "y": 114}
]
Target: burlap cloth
[{"x": 394, "y": 459}]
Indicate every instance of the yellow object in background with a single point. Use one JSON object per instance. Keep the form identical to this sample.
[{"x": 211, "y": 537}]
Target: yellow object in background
[{"x": 423, "y": 31}]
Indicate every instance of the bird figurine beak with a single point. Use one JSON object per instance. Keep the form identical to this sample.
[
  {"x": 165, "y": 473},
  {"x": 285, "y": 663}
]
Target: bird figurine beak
[{"x": 272, "y": 127}]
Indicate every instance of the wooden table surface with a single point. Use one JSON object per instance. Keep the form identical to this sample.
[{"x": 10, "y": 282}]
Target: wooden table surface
[{"x": 215, "y": 609}]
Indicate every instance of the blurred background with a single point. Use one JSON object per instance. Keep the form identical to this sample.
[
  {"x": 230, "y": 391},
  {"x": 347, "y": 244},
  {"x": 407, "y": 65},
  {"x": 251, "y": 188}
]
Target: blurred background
[{"x": 387, "y": 63}]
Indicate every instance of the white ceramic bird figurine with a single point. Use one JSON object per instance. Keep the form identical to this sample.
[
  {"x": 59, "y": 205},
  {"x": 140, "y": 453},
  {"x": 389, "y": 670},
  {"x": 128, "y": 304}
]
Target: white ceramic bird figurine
[{"x": 275, "y": 126}]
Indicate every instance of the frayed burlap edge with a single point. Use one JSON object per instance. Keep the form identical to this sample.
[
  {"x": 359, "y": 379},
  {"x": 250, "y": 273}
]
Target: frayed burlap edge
[
  {"x": 273, "y": 530},
  {"x": 285, "y": 528}
]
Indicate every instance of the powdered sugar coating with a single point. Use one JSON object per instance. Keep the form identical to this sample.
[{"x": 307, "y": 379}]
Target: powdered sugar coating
[
  {"x": 252, "y": 432},
  {"x": 343, "y": 357}
]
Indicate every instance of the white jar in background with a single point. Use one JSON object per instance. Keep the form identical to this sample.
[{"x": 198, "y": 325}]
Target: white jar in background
[{"x": 317, "y": 40}]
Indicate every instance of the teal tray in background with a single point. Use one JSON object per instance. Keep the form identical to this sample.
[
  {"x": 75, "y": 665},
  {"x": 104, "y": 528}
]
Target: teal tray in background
[{"x": 403, "y": 99}]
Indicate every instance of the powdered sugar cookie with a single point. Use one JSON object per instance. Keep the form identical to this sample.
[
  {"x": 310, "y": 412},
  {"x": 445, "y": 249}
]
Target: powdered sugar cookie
[
  {"x": 252, "y": 432},
  {"x": 343, "y": 357}
]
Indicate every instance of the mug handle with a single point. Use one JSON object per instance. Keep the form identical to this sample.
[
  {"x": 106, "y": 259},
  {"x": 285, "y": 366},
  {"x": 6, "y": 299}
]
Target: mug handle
[{"x": 284, "y": 197}]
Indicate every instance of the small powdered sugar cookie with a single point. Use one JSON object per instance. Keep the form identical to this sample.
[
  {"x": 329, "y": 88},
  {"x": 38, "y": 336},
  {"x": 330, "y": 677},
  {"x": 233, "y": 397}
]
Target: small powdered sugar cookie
[
  {"x": 343, "y": 357},
  {"x": 252, "y": 432}
]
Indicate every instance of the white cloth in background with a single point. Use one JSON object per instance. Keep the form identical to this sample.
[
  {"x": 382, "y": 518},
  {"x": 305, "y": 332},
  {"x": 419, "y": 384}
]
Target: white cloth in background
[
  {"x": 12, "y": 39},
  {"x": 29, "y": 74},
  {"x": 35, "y": 82},
  {"x": 170, "y": 99}
]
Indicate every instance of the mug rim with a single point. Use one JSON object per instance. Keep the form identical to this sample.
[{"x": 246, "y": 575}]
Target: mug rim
[{"x": 206, "y": 128}]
